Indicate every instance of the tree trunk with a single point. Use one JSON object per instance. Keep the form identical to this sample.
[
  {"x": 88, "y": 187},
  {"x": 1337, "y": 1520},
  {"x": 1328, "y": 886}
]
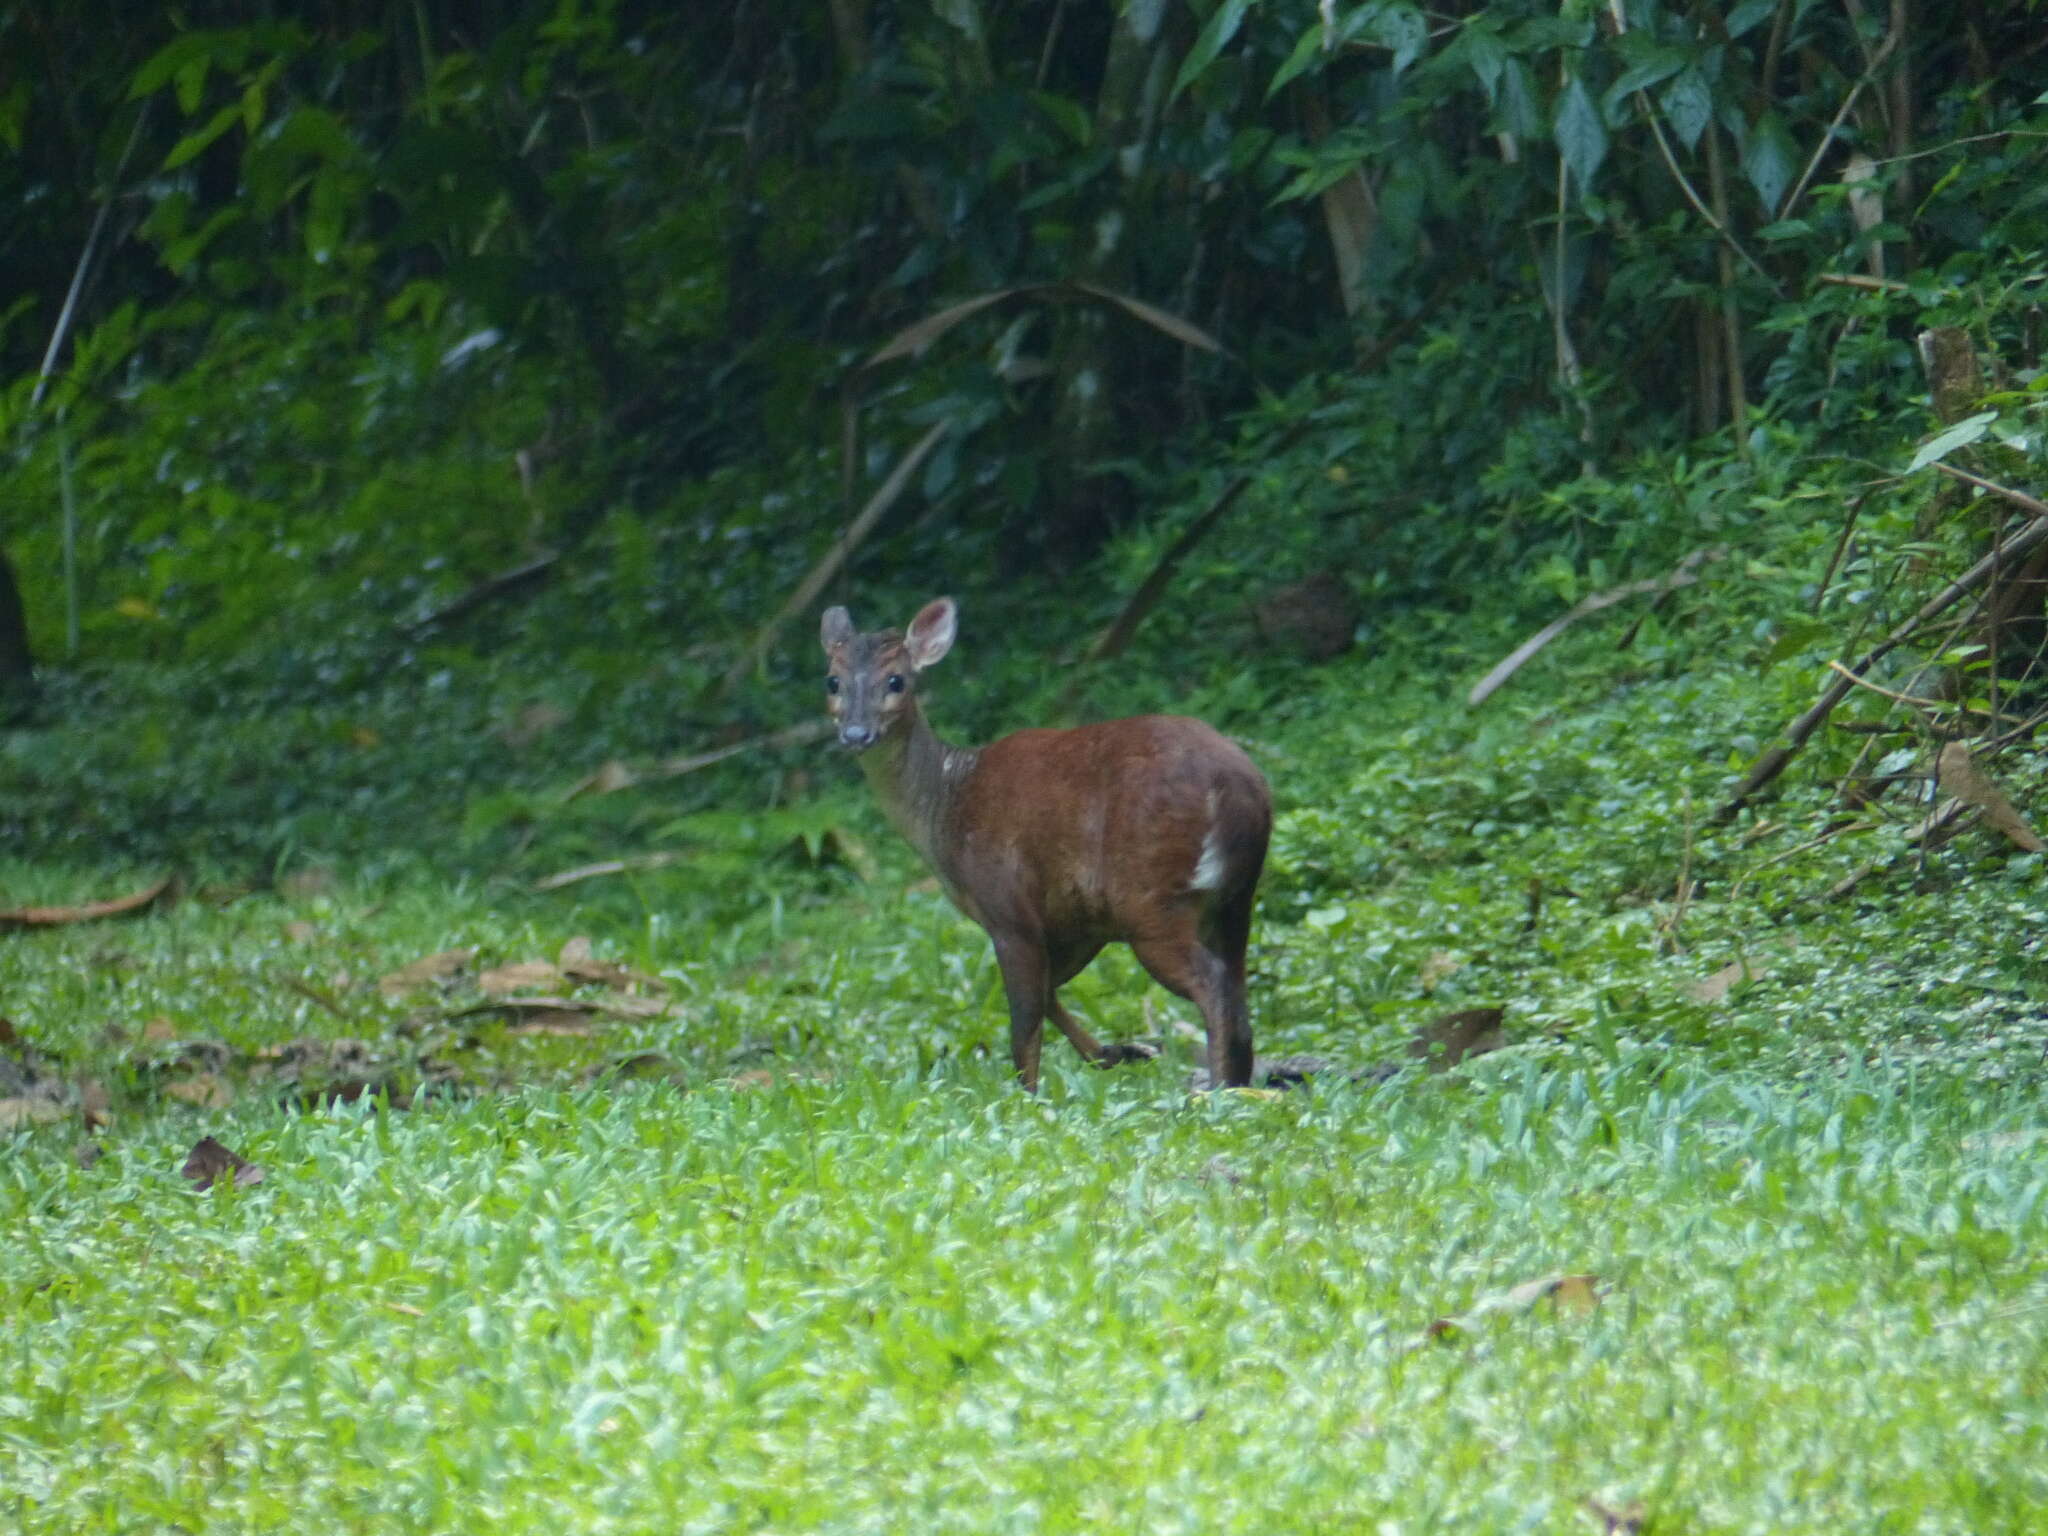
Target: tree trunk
[
  {"x": 1081, "y": 502},
  {"x": 17, "y": 662}
]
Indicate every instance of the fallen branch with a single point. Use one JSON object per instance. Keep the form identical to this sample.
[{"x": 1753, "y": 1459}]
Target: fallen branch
[
  {"x": 57, "y": 917},
  {"x": 2017, "y": 498},
  {"x": 484, "y": 591},
  {"x": 1113, "y": 640},
  {"x": 1770, "y": 764},
  {"x": 1897, "y": 698},
  {"x": 607, "y": 867},
  {"x": 616, "y": 776},
  {"x": 828, "y": 566},
  {"x": 1683, "y": 575},
  {"x": 1861, "y": 280}
]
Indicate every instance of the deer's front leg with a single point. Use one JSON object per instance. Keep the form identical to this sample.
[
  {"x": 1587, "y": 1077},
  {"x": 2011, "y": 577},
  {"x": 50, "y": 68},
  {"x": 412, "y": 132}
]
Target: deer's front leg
[{"x": 1027, "y": 985}]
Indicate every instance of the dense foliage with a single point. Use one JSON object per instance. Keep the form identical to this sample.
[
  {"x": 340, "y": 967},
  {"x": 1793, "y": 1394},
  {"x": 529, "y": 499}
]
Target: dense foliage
[{"x": 375, "y": 302}]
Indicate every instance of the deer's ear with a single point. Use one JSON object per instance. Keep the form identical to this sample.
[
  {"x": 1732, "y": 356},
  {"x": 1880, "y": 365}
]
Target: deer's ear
[
  {"x": 930, "y": 634},
  {"x": 836, "y": 628}
]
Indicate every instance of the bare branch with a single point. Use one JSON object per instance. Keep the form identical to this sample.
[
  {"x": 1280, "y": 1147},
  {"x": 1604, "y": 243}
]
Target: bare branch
[{"x": 1684, "y": 575}]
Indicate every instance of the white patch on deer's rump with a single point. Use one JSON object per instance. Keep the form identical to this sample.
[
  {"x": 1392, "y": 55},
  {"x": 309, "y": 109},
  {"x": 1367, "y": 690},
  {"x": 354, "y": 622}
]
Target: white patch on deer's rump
[{"x": 1209, "y": 867}]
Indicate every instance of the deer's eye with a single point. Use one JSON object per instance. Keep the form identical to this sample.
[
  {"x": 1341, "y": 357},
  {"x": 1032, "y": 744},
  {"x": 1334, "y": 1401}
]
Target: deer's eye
[
  {"x": 831, "y": 685},
  {"x": 895, "y": 682}
]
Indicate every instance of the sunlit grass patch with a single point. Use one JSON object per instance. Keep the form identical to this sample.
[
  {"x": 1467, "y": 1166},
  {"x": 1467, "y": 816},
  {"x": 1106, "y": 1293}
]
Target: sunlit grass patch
[{"x": 877, "y": 1303}]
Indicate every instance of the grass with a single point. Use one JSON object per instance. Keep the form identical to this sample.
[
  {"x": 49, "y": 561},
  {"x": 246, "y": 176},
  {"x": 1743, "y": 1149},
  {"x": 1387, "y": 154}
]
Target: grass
[
  {"x": 880, "y": 1303},
  {"x": 778, "y": 1248}
]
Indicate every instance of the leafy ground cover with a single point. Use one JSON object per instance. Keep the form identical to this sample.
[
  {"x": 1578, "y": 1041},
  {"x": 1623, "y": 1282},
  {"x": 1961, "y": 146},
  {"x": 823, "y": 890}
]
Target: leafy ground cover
[
  {"x": 883, "y": 1303},
  {"x": 609, "y": 1206}
]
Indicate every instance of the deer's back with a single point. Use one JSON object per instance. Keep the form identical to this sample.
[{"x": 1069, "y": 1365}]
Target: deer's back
[{"x": 1092, "y": 829}]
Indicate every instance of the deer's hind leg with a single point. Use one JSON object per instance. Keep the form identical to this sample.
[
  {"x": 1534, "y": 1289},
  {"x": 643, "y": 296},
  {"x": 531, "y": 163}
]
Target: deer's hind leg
[
  {"x": 1067, "y": 963},
  {"x": 1201, "y": 957}
]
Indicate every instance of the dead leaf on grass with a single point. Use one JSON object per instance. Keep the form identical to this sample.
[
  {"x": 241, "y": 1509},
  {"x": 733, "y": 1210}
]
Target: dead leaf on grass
[
  {"x": 1711, "y": 989},
  {"x": 159, "y": 1031},
  {"x": 2003, "y": 1141},
  {"x": 1444, "y": 1042},
  {"x": 16, "y": 1113},
  {"x": 1962, "y": 776},
  {"x": 514, "y": 1007},
  {"x": 609, "y": 778},
  {"x": 95, "y": 1106},
  {"x": 1440, "y": 965},
  {"x": 500, "y": 979},
  {"x": 610, "y": 1007},
  {"x": 203, "y": 1090},
  {"x": 633, "y": 1007},
  {"x": 1573, "y": 1294},
  {"x": 301, "y": 883},
  {"x": 431, "y": 968},
  {"x": 554, "y": 1023},
  {"x": 1617, "y": 1520},
  {"x": 641, "y": 1066},
  {"x": 56, "y": 917},
  {"x": 196, "y": 1055},
  {"x": 578, "y": 963},
  {"x": 209, "y": 1160}
]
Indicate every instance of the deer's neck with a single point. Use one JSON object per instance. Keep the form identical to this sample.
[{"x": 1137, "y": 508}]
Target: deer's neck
[{"x": 917, "y": 777}]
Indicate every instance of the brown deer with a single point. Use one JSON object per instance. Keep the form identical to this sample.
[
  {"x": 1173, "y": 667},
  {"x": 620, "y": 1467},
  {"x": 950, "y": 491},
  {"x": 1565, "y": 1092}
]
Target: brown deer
[{"x": 1151, "y": 831}]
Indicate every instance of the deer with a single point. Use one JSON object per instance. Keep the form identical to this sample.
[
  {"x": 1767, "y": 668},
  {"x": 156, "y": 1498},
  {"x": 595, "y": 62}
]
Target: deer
[{"x": 1149, "y": 831}]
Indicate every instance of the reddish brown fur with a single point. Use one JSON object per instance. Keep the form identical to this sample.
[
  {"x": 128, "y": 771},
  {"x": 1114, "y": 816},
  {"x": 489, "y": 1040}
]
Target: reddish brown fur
[{"x": 1059, "y": 842}]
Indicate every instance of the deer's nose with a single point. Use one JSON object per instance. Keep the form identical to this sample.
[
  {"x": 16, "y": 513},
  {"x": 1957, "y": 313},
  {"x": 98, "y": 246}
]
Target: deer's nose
[{"x": 857, "y": 736}]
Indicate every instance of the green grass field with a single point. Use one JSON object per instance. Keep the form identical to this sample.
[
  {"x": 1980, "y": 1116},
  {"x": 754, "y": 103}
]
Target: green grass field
[
  {"x": 885, "y": 1304},
  {"x": 763, "y": 1238}
]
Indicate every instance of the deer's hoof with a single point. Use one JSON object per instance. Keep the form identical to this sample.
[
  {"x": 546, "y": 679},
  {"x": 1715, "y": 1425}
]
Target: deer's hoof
[{"x": 1115, "y": 1055}]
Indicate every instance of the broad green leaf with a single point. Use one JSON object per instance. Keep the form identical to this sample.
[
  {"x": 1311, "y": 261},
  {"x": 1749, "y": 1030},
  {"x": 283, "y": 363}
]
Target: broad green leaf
[
  {"x": 316, "y": 134},
  {"x": 1581, "y": 136},
  {"x": 1214, "y": 37},
  {"x": 191, "y": 84},
  {"x": 194, "y": 144},
  {"x": 1401, "y": 29},
  {"x": 1306, "y": 52},
  {"x": 1519, "y": 106},
  {"x": 327, "y": 208},
  {"x": 1068, "y": 115},
  {"x": 181, "y": 253},
  {"x": 1487, "y": 55},
  {"x": 1798, "y": 636},
  {"x": 187, "y": 50},
  {"x": 1655, "y": 66},
  {"x": 1749, "y": 14},
  {"x": 1769, "y": 160},
  {"x": 1688, "y": 103},
  {"x": 1963, "y": 433}
]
